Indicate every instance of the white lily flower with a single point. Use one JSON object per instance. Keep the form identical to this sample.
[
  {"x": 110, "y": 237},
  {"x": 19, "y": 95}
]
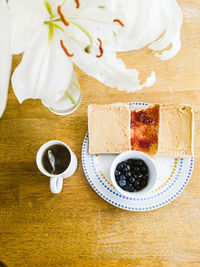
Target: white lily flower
[
  {"x": 153, "y": 23},
  {"x": 55, "y": 34},
  {"x": 5, "y": 55}
]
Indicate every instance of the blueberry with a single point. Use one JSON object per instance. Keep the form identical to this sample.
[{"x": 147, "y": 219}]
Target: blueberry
[
  {"x": 144, "y": 177},
  {"x": 122, "y": 183},
  {"x": 143, "y": 183},
  {"x": 122, "y": 177},
  {"x": 144, "y": 169},
  {"x": 128, "y": 174},
  {"x": 117, "y": 173},
  {"x": 117, "y": 178},
  {"x": 133, "y": 173},
  {"x": 140, "y": 162},
  {"x": 134, "y": 162},
  {"x": 125, "y": 169},
  {"x": 124, "y": 163},
  {"x": 135, "y": 176},
  {"x": 136, "y": 169},
  {"x": 139, "y": 175},
  {"x": 131, "y": 179},
  {"x": 130, "y": 161},
  {"x": 125, "y": 188},
  {"x": 130, "y": 188},
  {"x": 136, "y": 184},
  {"x": 120, "y": 166}
]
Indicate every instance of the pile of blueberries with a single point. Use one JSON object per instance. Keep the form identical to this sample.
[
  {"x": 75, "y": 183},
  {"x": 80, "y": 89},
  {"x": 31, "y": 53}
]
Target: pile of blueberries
[{"x": 132, "y": 175}]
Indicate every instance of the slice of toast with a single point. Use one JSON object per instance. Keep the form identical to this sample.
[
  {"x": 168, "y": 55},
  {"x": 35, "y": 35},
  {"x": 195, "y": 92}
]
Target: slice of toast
[
  {"x": 109, "y": 129},
  {"x": 158, "y": 130},
  {"x": 176, "y": 131}
]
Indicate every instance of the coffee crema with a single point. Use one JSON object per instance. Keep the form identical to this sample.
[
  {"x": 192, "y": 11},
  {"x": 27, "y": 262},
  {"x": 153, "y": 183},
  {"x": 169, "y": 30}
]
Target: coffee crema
[{"x": 62, "y": 158}]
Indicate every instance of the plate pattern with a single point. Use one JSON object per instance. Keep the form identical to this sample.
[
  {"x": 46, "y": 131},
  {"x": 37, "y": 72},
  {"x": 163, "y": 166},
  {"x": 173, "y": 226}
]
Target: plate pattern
[{"x": 173, "y": 176}]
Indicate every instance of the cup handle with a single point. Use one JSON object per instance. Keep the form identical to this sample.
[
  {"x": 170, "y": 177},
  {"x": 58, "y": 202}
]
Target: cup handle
[{"x": 56, "y": 184}]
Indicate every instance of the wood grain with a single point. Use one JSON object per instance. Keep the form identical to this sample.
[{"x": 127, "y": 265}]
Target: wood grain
[{"x": 77, "y": 227}]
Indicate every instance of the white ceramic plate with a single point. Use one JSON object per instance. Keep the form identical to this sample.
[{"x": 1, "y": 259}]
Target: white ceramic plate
[{"x": 173, "y": 176}]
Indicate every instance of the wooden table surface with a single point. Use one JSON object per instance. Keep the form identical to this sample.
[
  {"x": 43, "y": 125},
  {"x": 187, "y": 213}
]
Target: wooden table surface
[{"x": 77, "y": 227}]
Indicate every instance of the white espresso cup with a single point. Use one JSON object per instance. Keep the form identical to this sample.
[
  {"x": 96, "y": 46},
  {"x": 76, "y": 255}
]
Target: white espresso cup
[{"x": 56, "y": 181}]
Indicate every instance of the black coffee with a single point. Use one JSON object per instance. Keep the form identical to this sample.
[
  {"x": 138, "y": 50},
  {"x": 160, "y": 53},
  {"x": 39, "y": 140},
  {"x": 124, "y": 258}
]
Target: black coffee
[{"x": 57, "y": 156}]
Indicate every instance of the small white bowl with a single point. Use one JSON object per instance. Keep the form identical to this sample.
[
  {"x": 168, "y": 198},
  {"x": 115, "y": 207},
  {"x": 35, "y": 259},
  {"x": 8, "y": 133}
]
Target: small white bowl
[{"x": 134, "y": 155}]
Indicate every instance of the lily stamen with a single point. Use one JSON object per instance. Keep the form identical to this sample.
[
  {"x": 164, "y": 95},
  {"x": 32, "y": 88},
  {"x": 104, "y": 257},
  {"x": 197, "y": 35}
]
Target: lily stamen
[
  {"x": 65, "y": 49},
  {"x": 62, "y": 16},
  {"x": 77, "y": 3},
  {"x": 87, "y": 49},
  {"x": 119, "y": 21},
  {"x": 100, "y": 48}
]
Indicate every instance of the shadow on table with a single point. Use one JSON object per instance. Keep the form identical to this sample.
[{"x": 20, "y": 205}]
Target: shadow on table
[{"x": 3, "y": 264}]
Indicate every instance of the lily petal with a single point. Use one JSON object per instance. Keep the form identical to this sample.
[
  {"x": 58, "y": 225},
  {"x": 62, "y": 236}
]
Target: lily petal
[
  {"x": 173, "y": 51},
  {"x": 26, "y": 18},
  {"x": 93, "y": 16},
  {"x": 45, "y": 71},
  {"x": 5, "y": 56},
  {"x": 108, "y": 69},
  {"x": 155, "y": 23},
  {"x": 139, "y": 19}
]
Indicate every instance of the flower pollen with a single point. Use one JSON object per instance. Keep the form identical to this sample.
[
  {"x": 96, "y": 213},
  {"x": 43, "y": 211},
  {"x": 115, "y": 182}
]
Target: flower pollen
[
  {"x": 62, "y": 16},
  {"x": 119, "y": 21},
  {"x": 100, "y": 48},
  {"x": 65, "y": 49}
]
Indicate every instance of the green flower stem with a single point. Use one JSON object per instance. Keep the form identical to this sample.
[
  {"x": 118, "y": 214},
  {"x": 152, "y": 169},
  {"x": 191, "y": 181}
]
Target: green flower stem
[
  {"x": 83, "y": 30},
  {"x": 76, "y": 83},
  {"x": 48, "y": 7},
  {"x": 57, "y": 26},
  {"x": 71, "y": 97},
  {"x": 54, "y": 20},
  {"x": 51, "y": 31}
]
